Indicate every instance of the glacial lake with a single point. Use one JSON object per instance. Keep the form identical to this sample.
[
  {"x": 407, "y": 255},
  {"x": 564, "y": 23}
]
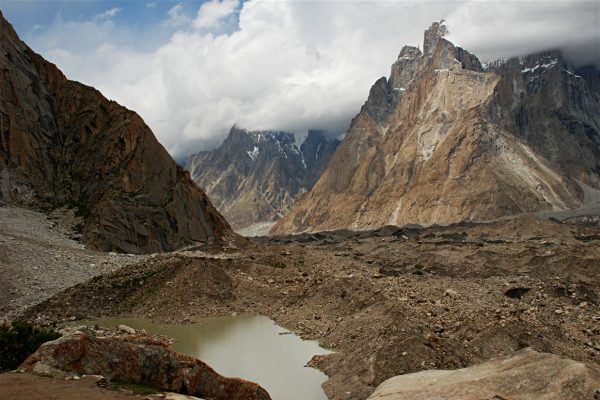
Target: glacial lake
[{"x": 248, "y": 346}]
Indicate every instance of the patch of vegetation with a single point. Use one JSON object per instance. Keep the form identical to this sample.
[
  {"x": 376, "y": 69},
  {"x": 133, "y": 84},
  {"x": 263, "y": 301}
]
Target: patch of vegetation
[
  {"x": 19, "y": 340},
  {"x": 135, "y": 388},
  {"x": 278, "y": 264}
]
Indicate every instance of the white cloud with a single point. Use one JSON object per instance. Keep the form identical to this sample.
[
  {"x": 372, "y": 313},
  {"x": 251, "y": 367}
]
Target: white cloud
[
  {"x": 212, "y": 12},
  {"x": 108, "y": 13},
  {"x": 493, "y": 29},
  {"x": 290, "y": 65},
  {"x": 177, "y": 16}
]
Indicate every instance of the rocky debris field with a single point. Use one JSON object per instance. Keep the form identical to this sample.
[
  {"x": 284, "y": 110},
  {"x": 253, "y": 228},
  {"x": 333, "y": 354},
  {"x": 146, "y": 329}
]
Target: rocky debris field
[
  {"x": 40, "y": 255},
  {"x": 390, "y": 301}
]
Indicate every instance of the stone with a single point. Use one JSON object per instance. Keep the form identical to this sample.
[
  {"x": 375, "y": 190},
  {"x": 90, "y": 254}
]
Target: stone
[
  {"x": 126, "y": 329},
  {"x": 93, "y": 378},
  {"x": 139, "y": 360},
  {"x": 540, "y": 376}
]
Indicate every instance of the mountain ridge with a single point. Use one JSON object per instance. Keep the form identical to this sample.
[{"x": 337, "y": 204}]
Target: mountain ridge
[
  {"x": 443, "y": 140},
  {"x": 62, "y": 143},
  {"x": 255, "y": 176}
]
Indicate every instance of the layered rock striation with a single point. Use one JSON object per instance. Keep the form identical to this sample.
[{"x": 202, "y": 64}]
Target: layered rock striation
[
  {"x": 255, "y": 176},
  {"x": 64, "y": 144},
  {"x": 445, "y": 139}
]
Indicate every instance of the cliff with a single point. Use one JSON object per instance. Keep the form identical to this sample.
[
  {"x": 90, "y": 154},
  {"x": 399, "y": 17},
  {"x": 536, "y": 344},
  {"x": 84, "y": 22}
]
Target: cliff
[{"x": 64, "y": 144}]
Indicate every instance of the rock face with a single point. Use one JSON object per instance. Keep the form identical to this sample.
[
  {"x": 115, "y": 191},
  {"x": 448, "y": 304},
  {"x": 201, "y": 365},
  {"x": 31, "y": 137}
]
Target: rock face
[
  {"x": 255, "y": 176},
  {"x": 133, "y": 359},
  {"x": 64, "y": 144},
  {"x": 446, "y": 140},
  {"x": 526, "y": 375}
]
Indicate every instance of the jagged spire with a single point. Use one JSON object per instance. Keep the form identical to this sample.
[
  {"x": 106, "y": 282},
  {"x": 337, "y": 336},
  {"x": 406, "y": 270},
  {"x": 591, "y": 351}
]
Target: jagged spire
[
  {"x": 436, "y": 31},
  {"x": 409, "y": 52}
]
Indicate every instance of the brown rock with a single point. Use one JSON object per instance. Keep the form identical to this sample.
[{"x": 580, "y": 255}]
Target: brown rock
[
  {"x": 64, "y": 144},
  {"x": 525, "y": 375},
  {"x": 139, "y": 360},
  {"x": 442, "y": 141}
]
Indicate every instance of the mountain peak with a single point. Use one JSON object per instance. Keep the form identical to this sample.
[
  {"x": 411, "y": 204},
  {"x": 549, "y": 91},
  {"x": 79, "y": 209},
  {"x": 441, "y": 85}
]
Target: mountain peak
[
  {"x": 255, "y": 176},
  {"x": 443, "y": 141},
  {"x": 281, "y": 137},
  {"x": 436, "y": 31},
  {"x": 409, "y": 52}
]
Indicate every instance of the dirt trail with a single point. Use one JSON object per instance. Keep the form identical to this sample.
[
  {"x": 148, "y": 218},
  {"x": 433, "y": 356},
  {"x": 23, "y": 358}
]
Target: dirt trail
[
  {"x": 17, "y": 386},
  {"x": 21, "y": 386}
]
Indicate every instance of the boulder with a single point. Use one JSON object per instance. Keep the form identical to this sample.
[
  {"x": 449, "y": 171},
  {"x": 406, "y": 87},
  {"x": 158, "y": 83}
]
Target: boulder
[
  {"x": 138, "y": 360},
  {"x": 525, "y": 375}
]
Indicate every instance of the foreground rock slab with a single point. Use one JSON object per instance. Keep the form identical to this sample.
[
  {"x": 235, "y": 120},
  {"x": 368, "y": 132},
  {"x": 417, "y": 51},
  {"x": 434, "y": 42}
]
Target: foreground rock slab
[
  {"x": 137, "y": 359},
  {"x": 526, "y": 375}
]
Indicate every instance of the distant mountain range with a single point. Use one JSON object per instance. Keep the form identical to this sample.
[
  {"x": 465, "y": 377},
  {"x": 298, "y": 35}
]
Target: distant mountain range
[
  {"x": 254, "y": 177},
  {"x": 63, "y": 144},
  {"x": 447, "y": 139}
]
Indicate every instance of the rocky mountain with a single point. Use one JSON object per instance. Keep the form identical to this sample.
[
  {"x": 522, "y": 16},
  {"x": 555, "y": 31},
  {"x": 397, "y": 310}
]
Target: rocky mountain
[
  {"x": 64, "y": 144},
  {"x": 255, "y": 176},
  {"x": 446, "y": 139}
]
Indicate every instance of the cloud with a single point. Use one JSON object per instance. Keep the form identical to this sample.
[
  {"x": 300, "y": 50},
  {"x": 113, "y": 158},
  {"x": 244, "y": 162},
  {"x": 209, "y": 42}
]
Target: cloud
[
  {"x": 212, "y": 12},
  {"x": 107, "y": 14},
  {"x": 493, "y": 30},
  {"x": 177, "y": 16},
  {"x": 290, "y": 65}
]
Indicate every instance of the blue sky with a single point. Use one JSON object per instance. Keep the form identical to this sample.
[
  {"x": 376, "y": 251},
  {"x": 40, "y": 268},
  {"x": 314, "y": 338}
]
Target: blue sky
[
  {"x": 147, "y": 24},
  {"x": 192, "y": 69},
  {"x": 141, "y": 14},
  {"x": 26, "y": 15}
]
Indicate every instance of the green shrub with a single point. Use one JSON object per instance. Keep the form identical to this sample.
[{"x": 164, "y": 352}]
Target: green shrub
[{"x": 20, "y": 340}]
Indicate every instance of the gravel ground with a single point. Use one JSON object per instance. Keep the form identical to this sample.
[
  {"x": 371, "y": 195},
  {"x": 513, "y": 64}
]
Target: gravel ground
[{"x": 40, "y": 256}]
